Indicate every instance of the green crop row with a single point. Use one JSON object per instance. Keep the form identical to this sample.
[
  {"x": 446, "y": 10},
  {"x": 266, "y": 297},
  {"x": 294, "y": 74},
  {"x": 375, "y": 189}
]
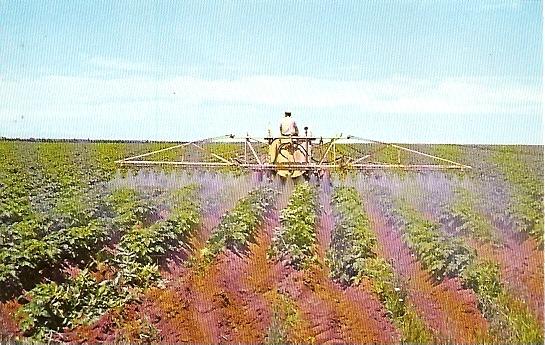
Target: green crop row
[
  {"x": 440, "y": 254},
  {"x": 29, "y": 258},
  {"x": 285, "y": 320},
  {"x": 447, "y": 256},
  {"x": 466, "y": 220},
  {"x": 146, "y": 243},
  {"x": 238, "y": 226},
  {"x": 41, "y": 178},
  {"x": 39, "y": 244},
  {"x": 393, "y": 296},
  {"x": 84, "y": 298},
  {"x": 352, "y": 257},
  {"x": 528, "y": 203},
  {"x": 390, "y": 155},
  {"x": 79, "y": 300},
  {"x": 53, "y": 209},
  {"x": 449, "y": 151},
  {"x": 352, "y": 240},
  {"x": 296, "y": 238},
  {"x": 15, "y": 185},
  {"x": 510, "y": 320},
  {"x": 57, "y": 162},
  {"x": 103, "y": 157}
]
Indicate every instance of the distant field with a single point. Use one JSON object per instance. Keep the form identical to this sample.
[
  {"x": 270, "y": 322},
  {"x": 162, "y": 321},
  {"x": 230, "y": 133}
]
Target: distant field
[{"x": 91, "y": 252}]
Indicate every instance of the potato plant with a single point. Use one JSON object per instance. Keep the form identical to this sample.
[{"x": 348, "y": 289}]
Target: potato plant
[
  {"x": 463, "y": 218},
  {"x": 238, "y": 226},
  {"x": 51, "y": 307},
  {"x": 79, "y": 300},
  {"x": 509, "y": 319},
  {"x": 129, "y": 208},
  {"x": 447, "y": 256},
  {"x": 295, "y": 240},
  {"x": 140, "y": 249},
  {"x": 352, "y": 240},
  {"x": 15, "y": 185},
  {"x": 352, "y": 257},
  {"x": 440, "y": 254},
  {"x": 26, "y": 260},
  {"x": 528, "y": 193},
  {"x": 76, "y": 231},
  {"x": 73, "y": 248}
]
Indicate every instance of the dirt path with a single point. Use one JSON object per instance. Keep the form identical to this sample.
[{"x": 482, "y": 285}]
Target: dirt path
[
  {"x": 446, "y": 308},
  {"x": 221, "y": 306}
]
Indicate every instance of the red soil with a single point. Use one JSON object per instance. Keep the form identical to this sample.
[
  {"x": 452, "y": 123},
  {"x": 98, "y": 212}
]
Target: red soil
[
  {"x": 335, "y": 314},
  {"x": 180, "y": 312},
  {"x": 264, "y": 276},
  {"x": 447, "y": 308},
  {"x": 175, "y": 263},
  {"x": 8, "y": 325},
  {"x": 232, "y": 301},
  {"x": 331, "y": 311},
  {"x": 197, "y": 307},
  {"x": 225, "y": 303},
  {"x": 106, "y": 329},
  {"x": 521, "y": 265}
]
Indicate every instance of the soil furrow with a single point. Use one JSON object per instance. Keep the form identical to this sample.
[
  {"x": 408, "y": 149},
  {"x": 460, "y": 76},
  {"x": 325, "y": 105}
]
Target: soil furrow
[
  {"x": 263, "y": 277},
  {"x": 374, "y": 325},
  {"x": 521, "y": 266},
  {"x": 227, "y": 301},
  {"x": 8, "y": 325},
  {"x": 445, "y": 307},
  {"x": 186, "y": 310},
  {"x": 210, "y": 218},
  {"x": 334, "y": 313},
  {"x": 521, "y": 263},
  {"x": 319, "y": 310}
]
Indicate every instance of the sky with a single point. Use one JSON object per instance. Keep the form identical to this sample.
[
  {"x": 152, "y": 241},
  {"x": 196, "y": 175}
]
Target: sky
[{"x": 406, "y": 71}]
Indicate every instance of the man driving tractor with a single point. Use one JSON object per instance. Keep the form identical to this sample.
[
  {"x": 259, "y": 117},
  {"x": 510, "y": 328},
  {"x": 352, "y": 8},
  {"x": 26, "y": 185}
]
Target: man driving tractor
[
  {"x": 288, "y": 127},
  {"x": 286, "y": 149}
]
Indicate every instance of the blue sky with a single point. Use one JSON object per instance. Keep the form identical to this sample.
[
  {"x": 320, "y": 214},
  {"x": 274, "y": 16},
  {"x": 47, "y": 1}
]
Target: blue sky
[{"x": 403, "y": 71}]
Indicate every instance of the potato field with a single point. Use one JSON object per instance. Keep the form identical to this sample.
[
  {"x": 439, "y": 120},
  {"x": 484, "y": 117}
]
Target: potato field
[{"x": 94, "y": 253}]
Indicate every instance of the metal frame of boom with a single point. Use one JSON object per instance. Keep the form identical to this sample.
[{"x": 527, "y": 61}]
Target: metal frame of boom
[{"x": 327, "y": 156}]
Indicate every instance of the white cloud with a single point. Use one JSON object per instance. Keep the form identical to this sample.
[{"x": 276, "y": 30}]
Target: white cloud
[
  {"x": 61, "y": 94},
  {"x": 136, "y": 107}
]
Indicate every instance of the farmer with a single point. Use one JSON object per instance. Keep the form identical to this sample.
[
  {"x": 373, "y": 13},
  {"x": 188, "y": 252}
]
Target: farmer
[{"x": 288, "y": 127}]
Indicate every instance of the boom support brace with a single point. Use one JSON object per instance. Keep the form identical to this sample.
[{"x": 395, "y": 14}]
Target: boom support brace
[{"x": 320, "y": 154}]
